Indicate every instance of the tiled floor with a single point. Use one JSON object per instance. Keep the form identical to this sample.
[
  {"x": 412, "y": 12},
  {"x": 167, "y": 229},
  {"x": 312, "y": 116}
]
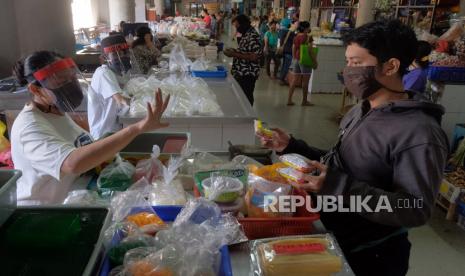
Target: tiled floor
[{"x": 438, "y": 248}]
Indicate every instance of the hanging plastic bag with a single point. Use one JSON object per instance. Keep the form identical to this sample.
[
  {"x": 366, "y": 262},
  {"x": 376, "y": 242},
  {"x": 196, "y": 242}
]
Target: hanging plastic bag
[
  {"x": 151, "y": 168},
  {"x": 115, "y": 177},
  {"x": 178, "y": 60}
]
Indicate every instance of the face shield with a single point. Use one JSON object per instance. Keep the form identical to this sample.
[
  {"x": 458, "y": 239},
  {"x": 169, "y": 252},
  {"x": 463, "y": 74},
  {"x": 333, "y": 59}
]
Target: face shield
[
  {"x": 121, "y": 59},
  {"x": 64, "y": 84}
]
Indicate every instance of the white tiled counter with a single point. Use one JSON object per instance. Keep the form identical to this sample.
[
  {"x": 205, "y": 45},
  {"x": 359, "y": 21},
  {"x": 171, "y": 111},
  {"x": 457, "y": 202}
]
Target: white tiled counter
[{"x": 331, "y": 60}]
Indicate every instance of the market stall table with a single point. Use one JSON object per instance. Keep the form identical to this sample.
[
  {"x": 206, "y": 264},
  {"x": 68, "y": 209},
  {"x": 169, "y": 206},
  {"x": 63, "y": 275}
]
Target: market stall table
[{"x": 213, "y": 133}]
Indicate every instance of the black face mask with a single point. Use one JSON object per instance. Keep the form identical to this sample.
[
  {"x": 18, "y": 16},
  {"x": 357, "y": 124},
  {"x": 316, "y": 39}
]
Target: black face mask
[
  {"x": 121, "y": 65},
  {"x": 68, "y": 96}
]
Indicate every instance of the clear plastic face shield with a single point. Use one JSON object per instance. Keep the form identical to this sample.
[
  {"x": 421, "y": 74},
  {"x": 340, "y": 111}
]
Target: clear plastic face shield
[
  {"x": 121, "y": 60},
  {"x": 63, "y": 83}
]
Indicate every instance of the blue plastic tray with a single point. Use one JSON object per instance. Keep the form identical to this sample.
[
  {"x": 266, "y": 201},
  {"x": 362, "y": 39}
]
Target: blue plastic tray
[
  {"x": 169, "y": 213},
  {"x": 446, "y": 74},
  {"x": 221, "y": 73}
]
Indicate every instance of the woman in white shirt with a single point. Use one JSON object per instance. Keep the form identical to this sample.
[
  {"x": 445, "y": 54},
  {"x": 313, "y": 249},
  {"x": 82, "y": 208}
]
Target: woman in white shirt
[{"x": 47, "y": 146}]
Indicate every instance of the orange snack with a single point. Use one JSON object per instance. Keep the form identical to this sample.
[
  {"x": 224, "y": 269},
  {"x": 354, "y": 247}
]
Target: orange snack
[
  {"x": 145, "y": 218},
  {"x": 144, "y": 268}
]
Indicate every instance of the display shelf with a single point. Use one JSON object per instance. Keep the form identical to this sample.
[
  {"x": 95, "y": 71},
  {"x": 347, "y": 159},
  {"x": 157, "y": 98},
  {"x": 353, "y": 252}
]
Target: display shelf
[{"x": 345, "y": 8}]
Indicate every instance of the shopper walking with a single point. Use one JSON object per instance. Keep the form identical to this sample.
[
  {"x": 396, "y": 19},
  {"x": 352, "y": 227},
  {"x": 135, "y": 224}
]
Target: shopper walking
[
  {"x": 391, "y": 148},
  {"x": 300, "y": 73},
  {"x": 246, "y": 67},
  {"x": 286, "y": 41},
  {"x": 270, "y": 50}
]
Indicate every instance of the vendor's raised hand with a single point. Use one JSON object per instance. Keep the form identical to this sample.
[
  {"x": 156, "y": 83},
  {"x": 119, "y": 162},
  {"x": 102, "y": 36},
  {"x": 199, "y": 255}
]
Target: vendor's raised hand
[
  {"x": 278, "y": 141},
  {"x": 313, "y": 183},
  {"x": 154, "y": 113}
]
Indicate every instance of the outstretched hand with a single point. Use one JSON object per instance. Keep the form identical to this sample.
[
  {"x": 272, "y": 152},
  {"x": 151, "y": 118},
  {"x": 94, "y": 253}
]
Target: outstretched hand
[{"x": 154, "y": 113}]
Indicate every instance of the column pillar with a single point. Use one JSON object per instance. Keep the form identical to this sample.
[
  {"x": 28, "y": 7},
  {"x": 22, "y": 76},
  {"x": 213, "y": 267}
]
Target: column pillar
[
  {"x": 305, "y": 7},
  {"x": 121, "y": 10},
  {"x": 159, "y": 7},
  {"x": 365, "y": 12}
]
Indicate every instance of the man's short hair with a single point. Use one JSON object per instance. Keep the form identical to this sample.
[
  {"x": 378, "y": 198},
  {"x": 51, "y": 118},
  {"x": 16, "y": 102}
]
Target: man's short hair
[{"x": 386, "y": 40}]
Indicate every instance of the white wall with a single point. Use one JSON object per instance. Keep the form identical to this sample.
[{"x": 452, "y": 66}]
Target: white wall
[
  {"x": 103, "y": 8},
  {"x": 34, "y": 25},
  {"x": 9, "y": 42},
  {"x": 45, "y": 25}
]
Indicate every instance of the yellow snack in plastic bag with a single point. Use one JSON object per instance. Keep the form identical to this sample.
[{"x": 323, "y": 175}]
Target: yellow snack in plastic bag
[{"x": 261, "y": 130}]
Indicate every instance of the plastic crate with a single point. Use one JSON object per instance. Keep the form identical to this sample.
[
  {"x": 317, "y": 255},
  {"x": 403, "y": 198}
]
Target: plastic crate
[
  {"x": 169, "y": 213},
  {"x": 447, "y": 74},
  {"x": 260, "y": 228},
  {"x": 220, "y": 73}
]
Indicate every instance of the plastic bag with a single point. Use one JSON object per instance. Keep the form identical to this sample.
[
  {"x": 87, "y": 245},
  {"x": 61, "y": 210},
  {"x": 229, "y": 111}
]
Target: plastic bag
[
  {"x": 151, "y": 168},
  {"x": 85, "y": 197},
  {"x": 178, "y": 59},
  {"x": 115, "y": 177},
  {"x": 297, "y": 162},
  {"x": 197, "y": 211},
  {"x": 206, "y": 164},
  {"x": 259, "y": 197},
  {"x": 117, "y": 252},
  {"x": 131, "y": 206},
  {"x": 224, "y": 189},
  {"x": 298, "y": 255}
]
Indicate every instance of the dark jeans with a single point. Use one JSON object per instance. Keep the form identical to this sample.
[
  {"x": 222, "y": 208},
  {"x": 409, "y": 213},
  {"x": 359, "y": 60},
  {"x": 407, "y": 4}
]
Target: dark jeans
[
  {"x": 287, "y": 60},
  {"x": 389, "y": 258},
  {"x": 277, "y": 60},
  {"x": 247, "y": 83}
]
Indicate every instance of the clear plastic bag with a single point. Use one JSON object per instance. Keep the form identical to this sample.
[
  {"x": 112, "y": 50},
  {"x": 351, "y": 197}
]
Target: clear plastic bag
[
  {"x": 197, "y": 211},
  {"x": 260, "y": 194},
  {"x": 152, "y": 168},
  {"x": 131, "y": 206},
  {"x": 85, "y": 197},
  {"x": 297, "y": 162},
  {"x": 117, "y": 252},
  {"x": 298, "y": 256},
  {"x": 220, "y": 188},
  {"x": 178, "y": 59},
  {"x": 454, "y": 32},
  {"x": 115, "y": 177}
]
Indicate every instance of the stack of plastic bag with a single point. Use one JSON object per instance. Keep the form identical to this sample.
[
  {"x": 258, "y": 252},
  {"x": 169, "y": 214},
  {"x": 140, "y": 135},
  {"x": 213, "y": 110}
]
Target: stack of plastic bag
[
  {"x": 189, "y": 96},
  {"x": 178, "y": 60}
]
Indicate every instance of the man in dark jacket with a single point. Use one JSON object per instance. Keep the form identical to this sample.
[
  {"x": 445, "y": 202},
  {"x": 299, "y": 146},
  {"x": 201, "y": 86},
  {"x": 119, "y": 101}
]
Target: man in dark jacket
[{"x": 390, "y": 147}]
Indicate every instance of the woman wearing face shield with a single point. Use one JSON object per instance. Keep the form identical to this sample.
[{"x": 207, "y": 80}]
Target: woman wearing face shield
[
  {"x": 106, "y": 98},
  {"x": 47, "y": 146},
  {"x": 390, "y": 153}
]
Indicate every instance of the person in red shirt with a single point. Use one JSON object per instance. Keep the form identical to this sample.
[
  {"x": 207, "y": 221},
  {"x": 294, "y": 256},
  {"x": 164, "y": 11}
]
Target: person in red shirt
[
  {"x": 207, "y": 19},
  {"x": 300, "y": 73}
]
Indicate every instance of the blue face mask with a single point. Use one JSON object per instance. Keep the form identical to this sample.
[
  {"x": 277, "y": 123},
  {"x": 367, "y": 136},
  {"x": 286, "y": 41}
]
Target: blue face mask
[{"x": 121, "y": 65}]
